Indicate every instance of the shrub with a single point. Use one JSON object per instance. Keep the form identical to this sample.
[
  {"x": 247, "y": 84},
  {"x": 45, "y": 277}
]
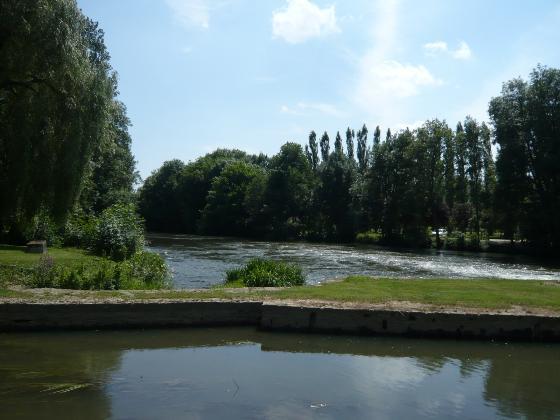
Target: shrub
[
  {"x": 119, "y": 232},
  {"x": 80, "y": 230},
  {"x": 45, "y": 272},
  {"x": 261, "y": 272},
  {"x": 144, "y": 270}
]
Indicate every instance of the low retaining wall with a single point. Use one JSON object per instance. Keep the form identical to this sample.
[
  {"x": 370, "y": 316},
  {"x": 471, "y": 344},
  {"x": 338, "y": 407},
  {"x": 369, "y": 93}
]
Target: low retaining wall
[{"x": 278, "y": 316}]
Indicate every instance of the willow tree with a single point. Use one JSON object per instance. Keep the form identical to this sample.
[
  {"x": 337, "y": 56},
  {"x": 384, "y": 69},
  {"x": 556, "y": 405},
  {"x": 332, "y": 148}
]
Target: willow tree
[{"x": 56, "y": 91}]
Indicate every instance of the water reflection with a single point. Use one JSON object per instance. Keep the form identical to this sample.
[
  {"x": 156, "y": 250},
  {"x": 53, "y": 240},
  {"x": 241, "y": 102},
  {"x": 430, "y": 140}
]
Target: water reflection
[
  {"x": 199, "y": 261},
  {"x": 244, "y": 373}
]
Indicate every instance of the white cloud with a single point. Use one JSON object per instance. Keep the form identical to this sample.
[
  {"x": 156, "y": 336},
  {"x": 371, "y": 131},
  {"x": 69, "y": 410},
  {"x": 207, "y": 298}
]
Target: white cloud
[
  {"x": 391, "y": 78},
  {"x": 301, "y": 20},
  {"x": 433, "y": 48},
  {"x": 319, "y": 107},
  {"x": 195, "y": 13},
  {"x": 383, "y": 83},
  {"x": 463, "y": 51}
]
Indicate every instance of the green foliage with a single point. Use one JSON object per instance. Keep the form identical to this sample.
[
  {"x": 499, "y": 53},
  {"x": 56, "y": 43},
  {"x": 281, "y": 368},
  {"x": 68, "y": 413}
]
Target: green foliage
[
  {"x": 119, "y": 232},
  {"x": 63, "y": 134},
  {"x": 261, "y": 272},
  {"x": 143, "y": 270},
  {"x": 525, "y": 117}
]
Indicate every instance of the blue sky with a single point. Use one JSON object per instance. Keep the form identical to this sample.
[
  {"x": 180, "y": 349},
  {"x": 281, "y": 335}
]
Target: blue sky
[{"x": 196, "y": 75}]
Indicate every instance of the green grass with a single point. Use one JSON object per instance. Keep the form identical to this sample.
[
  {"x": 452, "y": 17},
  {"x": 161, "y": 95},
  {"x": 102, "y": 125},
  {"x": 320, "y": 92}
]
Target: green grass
[
  {"x": 16, "y": 255},
  {"x": 485, "y": 294},
  {"x": 262, "y": 272}
]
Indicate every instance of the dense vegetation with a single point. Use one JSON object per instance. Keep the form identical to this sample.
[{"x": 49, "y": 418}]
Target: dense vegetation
[
  {"x": 66, "y": 169},
  {"x": 394, "y": 190},
  {"x": 260, "y": 272}
]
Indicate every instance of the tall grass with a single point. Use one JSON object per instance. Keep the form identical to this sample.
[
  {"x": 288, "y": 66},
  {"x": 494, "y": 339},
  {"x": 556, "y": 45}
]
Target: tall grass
[{"x": 260, "y": 272}]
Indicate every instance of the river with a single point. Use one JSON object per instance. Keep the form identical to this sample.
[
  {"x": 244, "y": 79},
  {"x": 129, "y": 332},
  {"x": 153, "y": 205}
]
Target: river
[
  {"x": 201, "y": 261},
  {"x": 242, "y": 373}
]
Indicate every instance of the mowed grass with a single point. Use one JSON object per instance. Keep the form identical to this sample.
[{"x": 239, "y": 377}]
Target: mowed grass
[
  {"x": 15, "y": 255},
  {"x": 489, "y": 294}
]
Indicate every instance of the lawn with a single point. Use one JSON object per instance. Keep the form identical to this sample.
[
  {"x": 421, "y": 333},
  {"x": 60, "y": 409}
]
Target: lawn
[
  {"x": 16, "y": 255},
  {"x": 485, "y": 294}
]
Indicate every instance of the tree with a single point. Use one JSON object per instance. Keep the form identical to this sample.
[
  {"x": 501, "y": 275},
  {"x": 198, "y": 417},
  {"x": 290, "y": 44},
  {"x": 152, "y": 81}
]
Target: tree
[
  {"x": 158, "y": 199},
  {"x": 227, "y": 209},
  {"x": 350, "y": 143},
  {"x": 325, "y": 147},
  {"x": 338, "y": 144},
  {"x": 461, "y": 185},
  {"x": 525, "y": 117},
  {"x": 287, "y": 197},
  {"x": 474, "y": 149},
  {"x": 314, "y": 152},
  {"x": 56, "y": 94},
  {"x": 361, "y": 150}
]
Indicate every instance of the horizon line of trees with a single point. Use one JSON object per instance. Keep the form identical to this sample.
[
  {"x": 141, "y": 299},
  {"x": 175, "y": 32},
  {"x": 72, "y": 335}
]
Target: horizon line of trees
[{"x": 399, "y": 187}]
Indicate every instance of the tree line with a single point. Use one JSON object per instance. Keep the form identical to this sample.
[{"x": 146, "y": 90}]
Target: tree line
[{"x": 396, "y": 187}]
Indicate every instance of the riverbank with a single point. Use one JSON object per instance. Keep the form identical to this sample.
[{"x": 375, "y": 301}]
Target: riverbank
[{"x": 528, "y": 310}]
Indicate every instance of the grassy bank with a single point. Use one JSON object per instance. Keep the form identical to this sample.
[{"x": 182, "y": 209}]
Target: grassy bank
[
  {"x": 72, "y": 268},
  {"x": 447, "y": 293}
]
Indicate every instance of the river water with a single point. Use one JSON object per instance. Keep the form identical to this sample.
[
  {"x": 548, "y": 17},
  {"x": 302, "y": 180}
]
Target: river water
[
  {"x": 199, "y": 261},
  {"x": 242, "y": 373}
]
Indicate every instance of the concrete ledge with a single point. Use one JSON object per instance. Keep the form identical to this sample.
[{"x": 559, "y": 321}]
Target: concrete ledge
[
  {"x": 411, "y": 323},
  {"x": 278, "y": 316},
  {"x": 22, "y": 316}
]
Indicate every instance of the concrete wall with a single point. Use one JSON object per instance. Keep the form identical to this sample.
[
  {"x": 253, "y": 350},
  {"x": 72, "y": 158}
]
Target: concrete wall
[
  {"x": 417, "y": 324},
  {"x": 17, "y": 317},
  {"x": 22, "y": 317}
]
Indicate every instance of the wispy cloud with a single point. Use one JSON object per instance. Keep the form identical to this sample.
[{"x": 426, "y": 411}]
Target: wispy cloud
[
  {"x": 462, "y": 52},
  {"x": 383, "y": 83},
  {"x": 191, "y": 13},
  {"x": 301, "y": 20},
  {"x": 304, "y": 108}
]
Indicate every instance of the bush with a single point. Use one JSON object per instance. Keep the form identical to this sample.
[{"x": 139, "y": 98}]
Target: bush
[
  {"x": 144, "y": 270},
  {"x": 261, "y": 272},
  {"x": 45, "y": 272},
  {"x": 80, "y": 230},
  {"x": 119, "y": 232}
]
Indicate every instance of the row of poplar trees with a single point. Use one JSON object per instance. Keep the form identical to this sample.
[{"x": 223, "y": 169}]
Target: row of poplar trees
[{"x": 399, "y": 188}]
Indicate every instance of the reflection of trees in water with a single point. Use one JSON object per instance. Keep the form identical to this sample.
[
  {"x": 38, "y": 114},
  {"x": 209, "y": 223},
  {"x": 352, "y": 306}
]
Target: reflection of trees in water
[
  {"x": 521, "y": 379},
  {"x": 54, "y": 376},
  {"x": 527, "y": 384}
]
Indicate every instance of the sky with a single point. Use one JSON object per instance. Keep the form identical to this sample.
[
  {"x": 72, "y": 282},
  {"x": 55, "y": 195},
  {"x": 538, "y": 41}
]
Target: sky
[{"x": 197, "y": 75}]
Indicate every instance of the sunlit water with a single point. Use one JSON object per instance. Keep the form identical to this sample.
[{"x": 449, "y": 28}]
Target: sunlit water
[
  {"x": 199, "y": 261},
  {"x": 241, "y": 373}
]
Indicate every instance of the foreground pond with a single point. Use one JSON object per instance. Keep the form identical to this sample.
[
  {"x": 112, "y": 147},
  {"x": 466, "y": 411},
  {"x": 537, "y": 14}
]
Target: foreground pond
[
  {"x": 199, "y": 261},
  {"x": 243, "y": 373}
]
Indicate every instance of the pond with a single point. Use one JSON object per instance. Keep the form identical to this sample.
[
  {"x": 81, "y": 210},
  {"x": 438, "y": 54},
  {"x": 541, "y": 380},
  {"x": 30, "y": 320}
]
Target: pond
[
  {"x": 200, "y": 261},
  {"x": 239, "y": 373}
]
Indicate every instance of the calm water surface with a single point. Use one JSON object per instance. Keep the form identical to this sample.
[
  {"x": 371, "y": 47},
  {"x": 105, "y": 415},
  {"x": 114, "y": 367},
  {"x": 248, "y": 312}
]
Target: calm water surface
[
  {"x": 199, "y": 261},
  {"x": 242, "y": 373}
]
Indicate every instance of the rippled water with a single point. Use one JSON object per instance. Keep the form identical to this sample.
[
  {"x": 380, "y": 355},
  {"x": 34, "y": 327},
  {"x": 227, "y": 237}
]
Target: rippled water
[
  {"x": 199, "y": 261},
  {"x": 241, "y": 373}
]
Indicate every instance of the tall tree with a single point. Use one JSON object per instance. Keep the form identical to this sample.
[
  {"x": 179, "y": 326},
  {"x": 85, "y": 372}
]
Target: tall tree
[
  {"x": 56, "y": 91},
  {"x": 325, "y": 147},
  {"x": 314, "y": 150},
  {"x": 350, "y": 143},
  {"x": 525, "y": 117},
  {"x": 338, "y": 144},
  {"x": 361, "y": 150},
  {"x": 474, "y": 169}
]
